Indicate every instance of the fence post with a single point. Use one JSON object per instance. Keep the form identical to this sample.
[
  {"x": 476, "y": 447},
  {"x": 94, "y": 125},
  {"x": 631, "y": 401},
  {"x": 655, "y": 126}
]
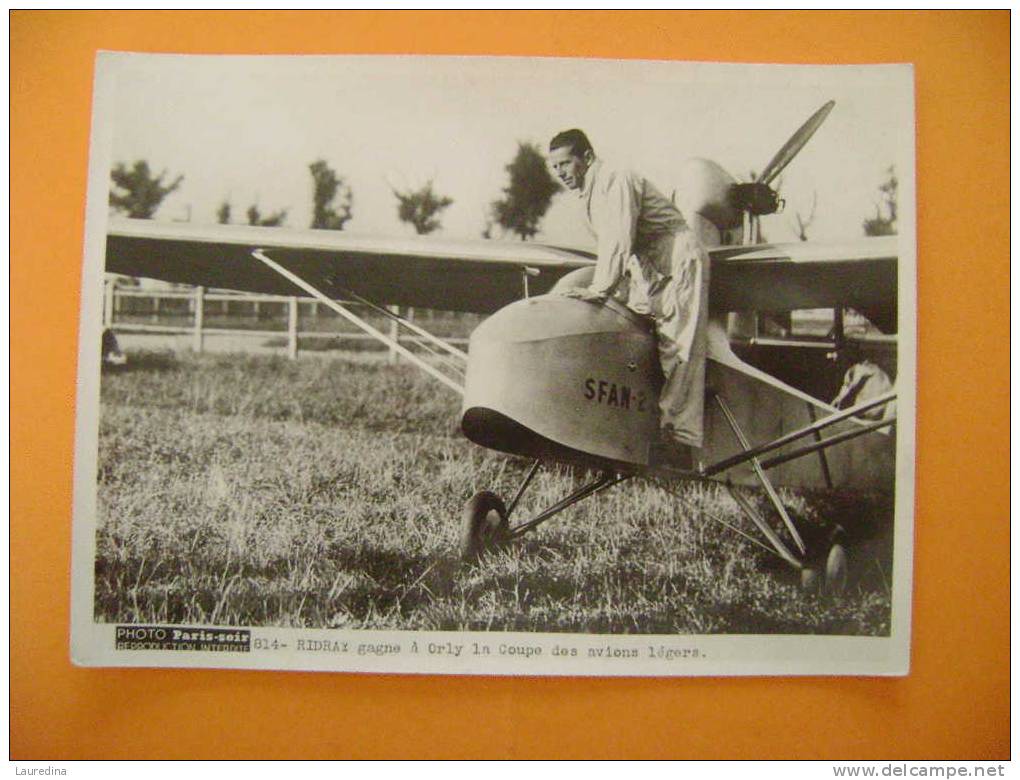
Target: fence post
[
  {"x": 292, "y": 328},
  {"x": 109, "y": 304},
  {"x": 197, "y": 340},
  {"x": 394, "y": 333}
]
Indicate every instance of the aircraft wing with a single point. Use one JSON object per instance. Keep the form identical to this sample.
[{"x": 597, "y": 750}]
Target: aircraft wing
[
  {"x": 462, "y": 275},
  {"x": 484, "y": 275},
  {"x": 784, "y": 277}
]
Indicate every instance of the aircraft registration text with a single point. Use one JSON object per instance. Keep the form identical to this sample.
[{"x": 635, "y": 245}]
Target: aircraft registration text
[{"x": 611, "y": 394}]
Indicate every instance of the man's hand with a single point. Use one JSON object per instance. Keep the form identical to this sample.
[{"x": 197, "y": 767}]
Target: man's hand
[{"x": 584, "y": 294}]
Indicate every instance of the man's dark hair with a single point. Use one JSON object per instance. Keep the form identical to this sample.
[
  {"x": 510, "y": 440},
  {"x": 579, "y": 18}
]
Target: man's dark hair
[{"x": 575, "y": 139}]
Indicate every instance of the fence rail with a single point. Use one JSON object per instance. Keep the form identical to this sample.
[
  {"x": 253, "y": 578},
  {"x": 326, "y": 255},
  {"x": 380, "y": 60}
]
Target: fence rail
[{"x": 188, "y": 312}]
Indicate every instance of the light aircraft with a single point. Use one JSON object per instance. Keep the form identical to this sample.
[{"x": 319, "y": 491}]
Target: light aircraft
[{"x": 560, "y": 380}]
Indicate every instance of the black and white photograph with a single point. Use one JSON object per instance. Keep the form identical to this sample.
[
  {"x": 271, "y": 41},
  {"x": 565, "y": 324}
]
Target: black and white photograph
[{"x": 503, "y": 365}]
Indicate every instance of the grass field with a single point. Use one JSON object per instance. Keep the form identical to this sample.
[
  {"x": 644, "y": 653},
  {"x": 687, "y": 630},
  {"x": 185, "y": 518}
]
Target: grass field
[{"x": 253, "y": 490}]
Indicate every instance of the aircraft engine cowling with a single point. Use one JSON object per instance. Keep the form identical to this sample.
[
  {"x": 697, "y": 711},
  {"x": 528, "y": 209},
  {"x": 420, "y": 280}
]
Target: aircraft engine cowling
[
  {"x": 703, "y": 192},
  {"x": 562, "y": 379}
]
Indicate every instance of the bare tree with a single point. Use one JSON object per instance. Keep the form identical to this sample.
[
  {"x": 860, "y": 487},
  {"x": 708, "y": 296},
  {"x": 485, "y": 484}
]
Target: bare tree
[{"x": 802, "y": 223}]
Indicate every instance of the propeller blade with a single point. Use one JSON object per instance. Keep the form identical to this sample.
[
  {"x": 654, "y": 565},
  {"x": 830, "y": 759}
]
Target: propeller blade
[{"x": 795, "y": 144}]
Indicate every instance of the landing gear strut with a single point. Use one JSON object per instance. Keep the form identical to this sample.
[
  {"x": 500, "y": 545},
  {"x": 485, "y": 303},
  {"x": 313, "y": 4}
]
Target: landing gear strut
[
  {"x": 485, "y": 524},
  {"x": 828, "y": 571},
  {"x": 824, "y": 569}
]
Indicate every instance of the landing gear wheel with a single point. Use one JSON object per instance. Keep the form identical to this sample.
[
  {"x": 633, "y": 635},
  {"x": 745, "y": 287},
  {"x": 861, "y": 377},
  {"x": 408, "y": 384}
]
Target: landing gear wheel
[
  {"x": 836, "y": 570},
  {"x": 483, "y": 526},
  {"x": 809, "y": 579},
  {"x": 832, "y": 579}
]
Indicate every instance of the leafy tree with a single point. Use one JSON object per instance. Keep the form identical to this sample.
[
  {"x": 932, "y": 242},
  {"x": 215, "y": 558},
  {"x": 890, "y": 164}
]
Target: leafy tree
[
  {"x": 273, "y": 220},
  {"x": 884, "y": 221},
  {"x": 223, "y": 213},
  {"x": 137, "y": 192},
  {"x": 528, "y": 196},
  {"x": 420, "y": 207},
  {"x": 327, "y": 188},
  {"x": 803, "y": 223}
]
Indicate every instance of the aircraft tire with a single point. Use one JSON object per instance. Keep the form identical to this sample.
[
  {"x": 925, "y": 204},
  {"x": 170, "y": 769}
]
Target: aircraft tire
[
  {"x": 483, "y": 525},
  {"x": 809, "y": 579},
  {"x": 836, "y": 566},
  {"x": 830, "y": 580}
]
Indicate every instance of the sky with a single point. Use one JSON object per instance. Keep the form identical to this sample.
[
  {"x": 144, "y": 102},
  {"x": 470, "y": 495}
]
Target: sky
[{"x": 245, "y": 129}]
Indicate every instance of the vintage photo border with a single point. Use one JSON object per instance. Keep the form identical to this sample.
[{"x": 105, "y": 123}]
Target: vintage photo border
[{"x": 92, "y": 643}]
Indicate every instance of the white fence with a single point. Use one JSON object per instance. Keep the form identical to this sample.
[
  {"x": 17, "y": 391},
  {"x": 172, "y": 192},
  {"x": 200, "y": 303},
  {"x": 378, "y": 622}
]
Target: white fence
[{"x": 202, "y": 313}]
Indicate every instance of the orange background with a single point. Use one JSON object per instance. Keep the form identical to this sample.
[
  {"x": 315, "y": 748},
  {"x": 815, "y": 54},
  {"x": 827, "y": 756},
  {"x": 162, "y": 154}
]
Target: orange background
[{"x": 954, "y": 704}]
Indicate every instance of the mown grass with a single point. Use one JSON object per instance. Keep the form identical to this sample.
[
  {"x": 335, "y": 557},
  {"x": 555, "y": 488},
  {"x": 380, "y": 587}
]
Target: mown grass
[{"x": 323, "y": 493}]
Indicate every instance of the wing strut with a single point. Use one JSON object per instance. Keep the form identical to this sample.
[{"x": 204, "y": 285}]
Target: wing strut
[
  {"x": 771, "y": 491},
  {"x": 424, "y": 365},
  {"x": 407, "y": 324},
  {"x": 777, "y": 544},
  {"x": 810, "y": 430}
]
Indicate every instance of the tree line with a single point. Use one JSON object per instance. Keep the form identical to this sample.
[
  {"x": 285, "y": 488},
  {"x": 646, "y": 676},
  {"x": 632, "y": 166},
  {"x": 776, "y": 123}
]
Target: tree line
[{"x": 138, "y": 192}]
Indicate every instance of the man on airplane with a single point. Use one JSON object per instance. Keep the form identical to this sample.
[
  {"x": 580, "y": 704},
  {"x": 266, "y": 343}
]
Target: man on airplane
[{"x": 649, "y": 257}]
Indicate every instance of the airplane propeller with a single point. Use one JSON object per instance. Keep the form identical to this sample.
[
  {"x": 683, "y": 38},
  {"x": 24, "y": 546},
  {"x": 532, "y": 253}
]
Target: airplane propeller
[
  {"x": 792, "y": 147},
  {"x": 758, "y": 197}
]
